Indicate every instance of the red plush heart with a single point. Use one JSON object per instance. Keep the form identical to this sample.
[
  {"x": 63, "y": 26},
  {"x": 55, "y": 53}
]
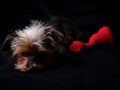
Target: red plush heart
[{"x": 102, "y": 37}]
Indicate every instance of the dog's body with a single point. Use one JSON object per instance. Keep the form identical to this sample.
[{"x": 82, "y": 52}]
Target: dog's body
[{"x": 38, "y": 44}]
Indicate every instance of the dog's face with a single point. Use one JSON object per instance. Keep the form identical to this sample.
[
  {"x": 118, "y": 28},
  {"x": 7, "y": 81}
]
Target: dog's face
[{"x": 34, "y": 46}]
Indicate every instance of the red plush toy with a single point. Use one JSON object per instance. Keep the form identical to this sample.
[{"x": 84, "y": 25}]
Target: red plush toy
[{"x": 102, "y": 37}]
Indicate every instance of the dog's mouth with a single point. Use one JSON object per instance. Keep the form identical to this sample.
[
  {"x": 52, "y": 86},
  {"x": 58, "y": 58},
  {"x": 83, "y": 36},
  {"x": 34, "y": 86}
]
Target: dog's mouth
[
  {"x": 33, "y": 62},
  {"x": 23, "y": 64},
  {"x": 26, "y": 65}
]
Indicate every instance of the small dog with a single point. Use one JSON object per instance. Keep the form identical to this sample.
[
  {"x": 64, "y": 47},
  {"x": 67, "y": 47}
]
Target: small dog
[{"x": 38, "y": 44}]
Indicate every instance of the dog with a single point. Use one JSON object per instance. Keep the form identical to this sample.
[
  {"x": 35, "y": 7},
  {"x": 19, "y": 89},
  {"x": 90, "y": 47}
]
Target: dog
[{"x": 36, "y": 45}]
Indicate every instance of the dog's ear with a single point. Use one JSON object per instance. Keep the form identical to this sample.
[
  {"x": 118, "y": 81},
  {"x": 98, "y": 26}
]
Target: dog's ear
[
  {"x": 66, "y": 26},
  {"x": 57, "y": 36},
  {"x": 7, "y": 42}
]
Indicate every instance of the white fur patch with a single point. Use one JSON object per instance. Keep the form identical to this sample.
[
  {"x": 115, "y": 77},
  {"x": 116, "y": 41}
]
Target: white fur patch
[{"x": 31, "y": 33}]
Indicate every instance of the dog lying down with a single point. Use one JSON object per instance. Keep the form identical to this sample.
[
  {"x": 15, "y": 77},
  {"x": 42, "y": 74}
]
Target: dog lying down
[{"x": 36, "y": 45}]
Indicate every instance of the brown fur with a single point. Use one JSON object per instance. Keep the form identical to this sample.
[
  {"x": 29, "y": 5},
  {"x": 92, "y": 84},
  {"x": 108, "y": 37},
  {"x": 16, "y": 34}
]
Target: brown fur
[{"x": 54, "y": 41}]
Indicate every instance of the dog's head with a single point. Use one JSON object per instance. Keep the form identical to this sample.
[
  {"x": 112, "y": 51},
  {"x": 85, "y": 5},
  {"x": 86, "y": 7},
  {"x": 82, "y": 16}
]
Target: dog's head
[{"x": 35, "y": 46}]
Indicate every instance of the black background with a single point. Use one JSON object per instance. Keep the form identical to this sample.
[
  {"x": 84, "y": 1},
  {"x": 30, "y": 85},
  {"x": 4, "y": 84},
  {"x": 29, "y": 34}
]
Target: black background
[{"x": 95, "y": 69}]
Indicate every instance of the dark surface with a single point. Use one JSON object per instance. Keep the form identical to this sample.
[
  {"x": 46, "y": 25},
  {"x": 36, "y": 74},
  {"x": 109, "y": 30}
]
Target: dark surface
[{"x": 95, "y": 69}]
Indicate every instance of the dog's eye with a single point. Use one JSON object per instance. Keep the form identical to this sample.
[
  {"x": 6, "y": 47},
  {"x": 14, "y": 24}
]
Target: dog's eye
[
  {"x": 52, "y": 36},
  {"x": 24, "y": 54},
  {"x": 47, "y": 40},
  {"x": 40, "y": 57}
]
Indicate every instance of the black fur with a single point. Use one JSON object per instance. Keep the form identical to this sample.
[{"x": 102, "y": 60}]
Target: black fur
[
  {"x": 55, "y": 42},
  {"x": 7, "y": 42},
  {"x": 67, "y": 28}
]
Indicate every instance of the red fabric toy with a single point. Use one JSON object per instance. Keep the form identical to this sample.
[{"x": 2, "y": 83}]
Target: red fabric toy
[{"x": 102, "y": 37}]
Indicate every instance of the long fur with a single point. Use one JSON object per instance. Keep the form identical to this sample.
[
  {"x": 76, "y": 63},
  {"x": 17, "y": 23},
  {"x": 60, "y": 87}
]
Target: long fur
[
  {"x": 30, "y": 35},
  {"x": 36, "y": 45}
]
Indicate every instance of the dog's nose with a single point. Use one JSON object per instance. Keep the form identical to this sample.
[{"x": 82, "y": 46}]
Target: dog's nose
[
  {"x": 38, "y": 66},
  {"x": 28, "y": 66}
]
